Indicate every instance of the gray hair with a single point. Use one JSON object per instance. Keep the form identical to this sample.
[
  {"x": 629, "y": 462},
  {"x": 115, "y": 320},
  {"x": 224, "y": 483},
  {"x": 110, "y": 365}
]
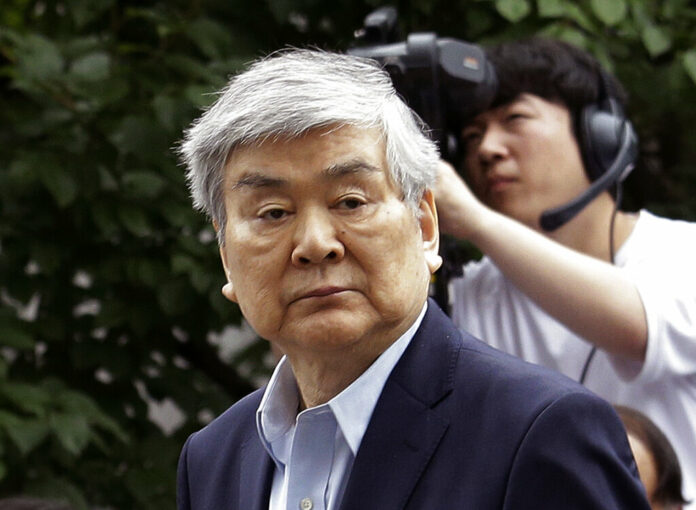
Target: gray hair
[{"x": 291, "y": 92}]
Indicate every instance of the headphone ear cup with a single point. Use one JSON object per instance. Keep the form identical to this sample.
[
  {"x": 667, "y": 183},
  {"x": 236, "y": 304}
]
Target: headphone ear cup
[{"x": 600, "y": 139}]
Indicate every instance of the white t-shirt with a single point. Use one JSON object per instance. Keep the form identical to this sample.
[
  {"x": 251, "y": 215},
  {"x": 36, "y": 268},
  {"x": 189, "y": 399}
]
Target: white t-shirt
[{"x": 660, "y": 257}]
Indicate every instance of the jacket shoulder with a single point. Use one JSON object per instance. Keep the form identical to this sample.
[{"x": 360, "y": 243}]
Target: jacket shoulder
[{"x": 235, "y": 425}]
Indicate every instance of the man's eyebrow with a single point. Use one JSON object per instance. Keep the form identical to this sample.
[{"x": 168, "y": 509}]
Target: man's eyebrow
[
  {"x": 353, "y": 166},
  {"x": 257, "y": 180}
]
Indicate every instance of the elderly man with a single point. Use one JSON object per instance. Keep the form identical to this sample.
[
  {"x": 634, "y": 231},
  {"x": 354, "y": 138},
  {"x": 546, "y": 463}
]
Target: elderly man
[{"x": 317, "y": 178}]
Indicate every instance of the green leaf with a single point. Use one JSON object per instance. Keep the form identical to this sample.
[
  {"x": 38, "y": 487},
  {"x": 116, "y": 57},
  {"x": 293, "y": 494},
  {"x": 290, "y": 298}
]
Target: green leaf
[
  {"x": 59, "y": 183},
  {"x": 3, "y": 470},
  {"x": 58, "y": 489},
  {"x": 689, "y": 61},
  {"x": 150, "y": 272},
  {"x": 566, "y": 33},
  {"x": 551, "y": 8},
  {"x": 7, "y": 418},
  {"x": 513, "y": 10},
  {"x": 172, "y": 112},
  {"x": 84, "y": 11},
  {"x": 27, "y": 397},
  {"x": 577, "y": 14},
  {"x": 186, "y": 66},
  {"x": 201, "y": 279},
  {"x": 640, "y": 15},
  {"x": 23, "y": 171},
  {"x": 610, "y": 12},
  {"x": 105, "y": 422},
  {"x": 105, "y": 219},
  {"x": 673, "y": 9},
  {"x": 74, "y": 402},
  {"x": 141, "y": 135},
  {"x": 38, "y": 58},
  {"x": 92, "y": 67},
  {"x": 107, "y": 182},
  {"x": 11, "y": 336},
  {"x": 176, "y": 213},
  {"x": 479, "y": 22},
  {"x": 72, "y": 430},
  {"x": 656, "y": 40},
  {"x": 211, "y": 37},
  {"x": 143, "y": 184},
  {"x": 174, "y": 297},
  {"x": 182, "y": 263},
  {"x": 135, "y": 221},
  {"x": 27, "y": 434},
  {"x": 200, "y": 95},
  {"x": 145, "y": 484}
]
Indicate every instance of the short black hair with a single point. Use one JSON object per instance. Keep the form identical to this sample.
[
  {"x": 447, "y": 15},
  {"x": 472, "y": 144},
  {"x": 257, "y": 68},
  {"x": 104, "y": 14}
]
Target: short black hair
[
  {"x": 668, "y": 490},
  {"x": 553, "y": 70}
]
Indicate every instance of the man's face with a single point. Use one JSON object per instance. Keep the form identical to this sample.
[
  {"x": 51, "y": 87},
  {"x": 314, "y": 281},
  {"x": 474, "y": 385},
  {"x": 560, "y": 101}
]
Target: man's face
[
  {"x": 320, "y": 251},
  {"x": 522, "y": 158}
]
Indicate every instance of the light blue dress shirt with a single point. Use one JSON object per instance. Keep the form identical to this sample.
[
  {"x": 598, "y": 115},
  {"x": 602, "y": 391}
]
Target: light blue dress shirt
[{"x": 313, "y": 451}]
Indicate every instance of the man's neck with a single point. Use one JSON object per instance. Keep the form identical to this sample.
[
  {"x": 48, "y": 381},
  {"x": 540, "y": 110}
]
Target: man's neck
[
  {"x": 321, "y": 379},
  {"x": 588, "y": 232}
]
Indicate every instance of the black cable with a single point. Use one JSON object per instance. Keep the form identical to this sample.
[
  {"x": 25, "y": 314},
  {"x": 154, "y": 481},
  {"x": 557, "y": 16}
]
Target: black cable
[
  {"x": 612, "y": 259},
  {"x": 586, "y": 367}
]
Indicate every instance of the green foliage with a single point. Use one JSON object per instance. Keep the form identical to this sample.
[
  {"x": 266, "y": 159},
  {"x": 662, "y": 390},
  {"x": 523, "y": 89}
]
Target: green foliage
[
  {"x": 513, "y": 10},
  {"x": 108, "y": 292},
  {"x": 109, "y": 281}
]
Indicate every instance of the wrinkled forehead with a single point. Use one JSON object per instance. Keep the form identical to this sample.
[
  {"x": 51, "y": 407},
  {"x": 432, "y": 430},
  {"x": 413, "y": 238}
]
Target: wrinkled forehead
[{"x": 335, "y": 151}]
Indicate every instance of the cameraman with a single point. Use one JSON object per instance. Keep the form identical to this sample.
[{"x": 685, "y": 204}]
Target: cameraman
[{"x": 609, "y": 297}]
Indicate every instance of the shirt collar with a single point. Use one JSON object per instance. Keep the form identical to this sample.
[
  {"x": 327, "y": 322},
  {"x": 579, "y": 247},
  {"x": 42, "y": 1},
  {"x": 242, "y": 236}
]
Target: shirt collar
[
  {"x": 276, "y": 414},
  {"x": 353, "y": 407}
]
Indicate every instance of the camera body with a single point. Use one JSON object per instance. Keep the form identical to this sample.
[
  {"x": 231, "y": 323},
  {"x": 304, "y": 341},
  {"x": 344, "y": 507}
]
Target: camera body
[{"x": 444, "y": 80}]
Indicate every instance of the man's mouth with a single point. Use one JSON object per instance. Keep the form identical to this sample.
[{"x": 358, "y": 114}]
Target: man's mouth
[
  {"x": 322, "y": 292},
  {"x": 494, "y": 184}
]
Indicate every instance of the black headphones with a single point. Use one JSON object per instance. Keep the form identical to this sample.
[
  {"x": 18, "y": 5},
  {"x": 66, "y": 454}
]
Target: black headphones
[{"x": 609, "y": 147}]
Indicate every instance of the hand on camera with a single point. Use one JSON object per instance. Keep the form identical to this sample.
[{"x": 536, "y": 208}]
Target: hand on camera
[{"x": 457, "y": 208}]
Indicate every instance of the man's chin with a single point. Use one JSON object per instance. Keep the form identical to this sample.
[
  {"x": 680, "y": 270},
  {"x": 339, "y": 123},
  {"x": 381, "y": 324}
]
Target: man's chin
[{"x": 332, "y": 329}]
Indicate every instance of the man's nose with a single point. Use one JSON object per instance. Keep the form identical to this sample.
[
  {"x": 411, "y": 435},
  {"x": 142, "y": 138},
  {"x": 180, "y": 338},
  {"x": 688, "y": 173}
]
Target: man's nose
[
  {"x": 493, "y": 145},
  {"x": 316, "y": 239}
]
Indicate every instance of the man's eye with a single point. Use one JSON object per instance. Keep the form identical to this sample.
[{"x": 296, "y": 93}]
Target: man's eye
[
  {"x": 512, "y": 116},
  {"x": 274, "y": 214},
  {"x": 350, "y": 203},
  {"x": 471, "y": 136}
]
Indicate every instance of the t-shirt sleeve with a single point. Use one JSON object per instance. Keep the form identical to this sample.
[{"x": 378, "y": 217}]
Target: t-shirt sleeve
[{"x": 668, "y": 293}]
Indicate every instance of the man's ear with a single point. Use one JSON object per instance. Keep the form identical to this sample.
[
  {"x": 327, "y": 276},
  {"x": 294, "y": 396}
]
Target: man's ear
[
  {"x": 228, "y": 288},
  {"x": 430, "y": 231}
]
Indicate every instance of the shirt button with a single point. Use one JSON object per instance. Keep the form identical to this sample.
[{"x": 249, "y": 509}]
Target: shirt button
[{"x": 306, "y": 504}]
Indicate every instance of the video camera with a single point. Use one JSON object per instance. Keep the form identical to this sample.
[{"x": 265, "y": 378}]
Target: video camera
[{"x": 446, "y": 81}]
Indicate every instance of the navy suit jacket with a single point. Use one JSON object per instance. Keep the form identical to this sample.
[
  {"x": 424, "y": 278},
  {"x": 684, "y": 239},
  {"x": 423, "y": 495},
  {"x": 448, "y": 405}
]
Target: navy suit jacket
[{"x": 459, "y": 425}]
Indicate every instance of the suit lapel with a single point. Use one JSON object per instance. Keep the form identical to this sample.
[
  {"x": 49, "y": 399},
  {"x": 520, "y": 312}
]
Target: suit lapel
[
  {"x": 256, "y": 476},
  {"x": 406, "y": 428}
]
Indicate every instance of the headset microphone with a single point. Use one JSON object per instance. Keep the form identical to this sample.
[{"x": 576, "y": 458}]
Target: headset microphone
[{"x": 620, "y": 168}]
